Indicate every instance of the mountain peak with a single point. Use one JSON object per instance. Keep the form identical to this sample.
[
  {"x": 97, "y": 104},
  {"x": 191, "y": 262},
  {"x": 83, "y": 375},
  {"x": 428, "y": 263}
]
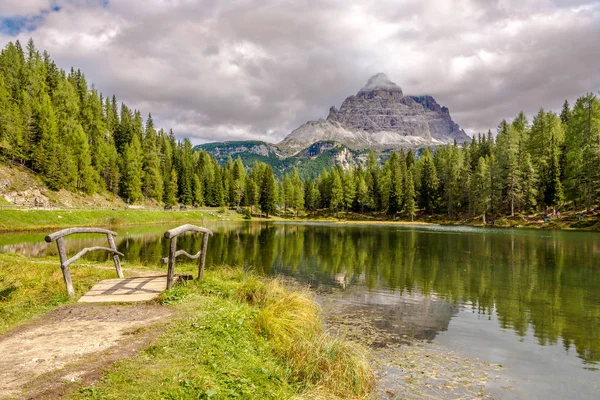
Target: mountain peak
[{"x": 380, "y": 81}]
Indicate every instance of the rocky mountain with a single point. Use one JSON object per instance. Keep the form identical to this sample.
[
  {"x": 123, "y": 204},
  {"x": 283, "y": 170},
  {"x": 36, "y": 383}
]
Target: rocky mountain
[
  {"x": 381, "y": 117},
  {"x": 378, "y": 117}
]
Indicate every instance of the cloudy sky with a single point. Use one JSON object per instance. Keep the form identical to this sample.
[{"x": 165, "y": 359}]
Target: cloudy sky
[{"x": 257, "y": 69}]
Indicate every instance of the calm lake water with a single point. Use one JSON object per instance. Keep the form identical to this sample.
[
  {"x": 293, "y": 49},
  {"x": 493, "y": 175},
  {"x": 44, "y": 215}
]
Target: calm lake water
[{"x": 526, "y": 299}]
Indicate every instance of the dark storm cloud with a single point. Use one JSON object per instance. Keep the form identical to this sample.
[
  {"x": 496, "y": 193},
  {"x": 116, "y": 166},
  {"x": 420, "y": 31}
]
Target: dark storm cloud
[{"x": 258, "y": 69}]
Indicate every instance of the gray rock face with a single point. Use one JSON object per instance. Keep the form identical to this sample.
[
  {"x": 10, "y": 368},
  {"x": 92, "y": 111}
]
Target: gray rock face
[{"x": 380, "y": 116}]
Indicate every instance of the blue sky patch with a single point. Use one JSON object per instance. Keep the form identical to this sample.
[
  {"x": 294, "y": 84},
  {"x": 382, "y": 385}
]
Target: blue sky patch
[{"x": 15, "y": 25}]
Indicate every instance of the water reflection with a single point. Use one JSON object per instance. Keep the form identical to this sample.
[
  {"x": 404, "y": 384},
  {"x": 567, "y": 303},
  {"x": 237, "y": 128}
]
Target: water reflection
[{"x": 545, "y": 281}]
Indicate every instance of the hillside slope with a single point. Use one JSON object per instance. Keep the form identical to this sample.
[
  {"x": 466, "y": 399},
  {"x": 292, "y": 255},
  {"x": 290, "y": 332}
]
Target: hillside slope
[{"x": 21, "y": 187}]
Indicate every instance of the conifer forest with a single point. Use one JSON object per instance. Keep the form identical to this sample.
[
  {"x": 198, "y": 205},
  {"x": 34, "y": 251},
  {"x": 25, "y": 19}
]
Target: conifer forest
[{"x": 61, "y": 127}]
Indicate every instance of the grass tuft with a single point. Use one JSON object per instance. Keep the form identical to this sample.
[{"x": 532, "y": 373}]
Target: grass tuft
[{"x": 291, "y": 321}]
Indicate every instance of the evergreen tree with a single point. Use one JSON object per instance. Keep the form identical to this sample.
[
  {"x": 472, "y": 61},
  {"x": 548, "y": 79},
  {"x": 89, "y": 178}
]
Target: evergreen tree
[
  {"x": 171, "y": 189},
  {"x": 337, "y": 191},
  {"x": 362, "y": 191},
  {"x": 481, "y": 188},
  {"x": 409, "y": 195},
  {"x": 238, "y": 182},
  {"x": 583, "y": 151},
  {"x": 348, "y": 188},
  {"x": 507, "y": 145},
  {"x": 565, "y": 113},
  {"x": 268, "y": 192},
  {"x": 429, "y": 181},
  {"x": 297, "y": 201},
  {"x": 132, "y": 172},
  {"x": 197, "y": 191},
  {"x": 395, "y": 184},
  {"x": 529, "y": 181},
  {"x": 286, "y": 193},
  {"x": 153, "y": 181}
]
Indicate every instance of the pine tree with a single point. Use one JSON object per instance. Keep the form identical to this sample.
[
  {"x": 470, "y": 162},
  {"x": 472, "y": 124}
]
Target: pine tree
[
  {"x": 171, "y": 189},
  {"x": 409, "y": 195},
  {"x": 372, "y": 181},
  {"x": 429, "y": 182},
  {"x": 583, "y": 151},
  {"x": 362, "y": 191},
  {"x": 565, "y": 114},
  {"x": 395, "y": 184},
  {"x": 153, "y": 181},
  {"x": 529, "y": 181},
  {"x": 337, "y": 191},
  {"x": 507, "y": 145},
  {"x": 197, "y": 191},
  {"x": 311, "y": 195},
  {"x": 132, "y": 172},
  {"x": 286, "y": 193},
  {"x": 480, "y": 182},
  {"x": 297, "y": 202},
  {"x": 268, "y": 192},
  {"x": 237, "y": 186},
  {"x": 348, "y": 188}
]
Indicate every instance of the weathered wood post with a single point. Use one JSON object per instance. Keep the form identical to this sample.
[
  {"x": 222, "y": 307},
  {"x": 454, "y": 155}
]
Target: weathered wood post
[
  {"x": 174, "y": 253},
  {"x": 203, "y": 256},
  {"x": 111, "y": 243},
  {"x": 172, "y": 257},
  {"x": 62, "y": 254}
]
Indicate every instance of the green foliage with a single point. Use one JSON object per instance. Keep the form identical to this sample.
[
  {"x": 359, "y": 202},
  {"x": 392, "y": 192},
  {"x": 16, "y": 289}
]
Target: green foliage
[
  {"x": 268, "y": 191},
  {"x": 54, "y": 123},
  {"x": 429, "y": 181}
]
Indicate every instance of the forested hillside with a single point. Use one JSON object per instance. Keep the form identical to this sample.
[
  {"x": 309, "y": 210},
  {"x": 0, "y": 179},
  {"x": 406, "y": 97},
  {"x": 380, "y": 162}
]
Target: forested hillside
[
  {"x": 56, "y": 124},
  {"x": 551, "y": 163}
]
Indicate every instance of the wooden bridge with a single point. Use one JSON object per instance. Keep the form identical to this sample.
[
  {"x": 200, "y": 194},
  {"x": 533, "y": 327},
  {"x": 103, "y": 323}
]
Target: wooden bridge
[{"x": 123, "y": 289}]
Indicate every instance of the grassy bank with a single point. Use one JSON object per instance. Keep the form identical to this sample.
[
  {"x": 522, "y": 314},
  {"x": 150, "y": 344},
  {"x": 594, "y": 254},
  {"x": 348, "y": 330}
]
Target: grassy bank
[
  {"x": 242, "y": 338},
  {"x": 235, "y": 335},
  {"x": 29, "y": 220}
]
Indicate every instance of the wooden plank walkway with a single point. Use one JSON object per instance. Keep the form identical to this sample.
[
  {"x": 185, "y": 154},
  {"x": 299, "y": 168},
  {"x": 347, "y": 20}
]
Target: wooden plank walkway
[{"x": 126, "y": 290}]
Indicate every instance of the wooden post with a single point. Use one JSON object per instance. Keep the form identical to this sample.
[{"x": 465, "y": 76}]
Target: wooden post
[
  {"x": 172, "y": 256},
  {"x": 203, "y": 256},
  {"x": 111, "y": 243},
  {"x": 62, "y": 253}
]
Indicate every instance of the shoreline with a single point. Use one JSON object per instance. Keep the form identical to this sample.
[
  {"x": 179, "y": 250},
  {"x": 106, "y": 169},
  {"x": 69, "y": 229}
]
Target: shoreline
[{"x": 35, "y": 220}]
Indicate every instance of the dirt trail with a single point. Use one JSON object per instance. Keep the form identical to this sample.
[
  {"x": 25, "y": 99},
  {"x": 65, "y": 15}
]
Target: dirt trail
[{"x": 58, "y": 345}]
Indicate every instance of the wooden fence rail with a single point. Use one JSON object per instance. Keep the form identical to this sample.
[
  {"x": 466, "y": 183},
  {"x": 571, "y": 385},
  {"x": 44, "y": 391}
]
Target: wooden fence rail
[
  {"x": 62, "y": 252},
  {"x": 174, "y": 253}
]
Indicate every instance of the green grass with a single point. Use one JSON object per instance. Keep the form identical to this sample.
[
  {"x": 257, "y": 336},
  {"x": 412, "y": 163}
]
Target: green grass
[
  {"x": 32, "y": 287},
  {"x": 241, "y": 338},
  {"x": 234, "y": 336},
  {"x": 24, "y": 220}
]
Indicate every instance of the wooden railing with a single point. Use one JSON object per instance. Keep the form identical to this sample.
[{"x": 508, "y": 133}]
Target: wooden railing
[
  {"x": 62, "y": 252},
  {"x": 174, "y": 253}
]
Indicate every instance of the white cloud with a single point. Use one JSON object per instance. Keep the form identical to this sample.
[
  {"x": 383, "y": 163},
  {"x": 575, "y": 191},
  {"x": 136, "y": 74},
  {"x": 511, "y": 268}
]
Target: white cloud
[
  {"x": 256, "y": 69},
  {"x": 23, "y": 8}
]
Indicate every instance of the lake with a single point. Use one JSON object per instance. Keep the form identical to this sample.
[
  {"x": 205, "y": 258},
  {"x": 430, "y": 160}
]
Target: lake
[{"x": 526, "y": 299}]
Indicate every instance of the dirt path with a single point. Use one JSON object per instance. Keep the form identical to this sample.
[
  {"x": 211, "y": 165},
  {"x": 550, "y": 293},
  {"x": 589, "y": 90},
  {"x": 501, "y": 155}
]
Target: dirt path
[{"x": 71, "y": 344}]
